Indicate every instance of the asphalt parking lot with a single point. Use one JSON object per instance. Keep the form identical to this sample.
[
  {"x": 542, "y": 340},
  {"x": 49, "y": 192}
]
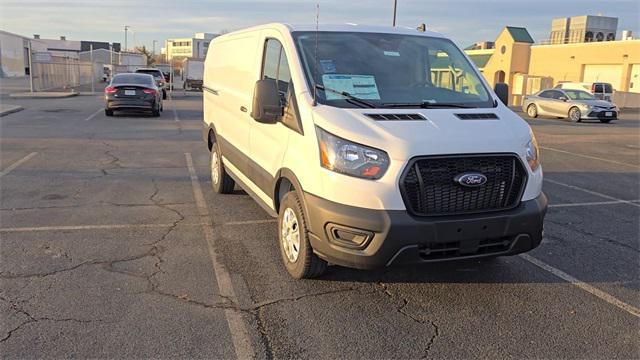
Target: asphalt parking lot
[{"x": 113, "y": 245}]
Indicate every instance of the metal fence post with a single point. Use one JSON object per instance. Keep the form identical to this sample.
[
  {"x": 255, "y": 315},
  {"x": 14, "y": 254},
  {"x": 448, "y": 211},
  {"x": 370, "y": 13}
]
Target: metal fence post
[
  {"x": 93, "y": 75},
  {"x": 30, "y": 69}
]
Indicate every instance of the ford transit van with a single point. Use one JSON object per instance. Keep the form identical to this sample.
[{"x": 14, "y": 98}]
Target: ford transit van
[{"x": 373, "y": 146}]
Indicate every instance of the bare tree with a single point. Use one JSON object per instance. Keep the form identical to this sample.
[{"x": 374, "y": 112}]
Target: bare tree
[{"x": 144, "y": 51}]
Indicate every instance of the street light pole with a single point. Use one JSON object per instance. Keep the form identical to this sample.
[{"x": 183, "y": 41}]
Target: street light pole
[
  {"x": 395, "y": 9},
  {"x": 154, "y": 48},
  {"x": 126, "y": 28}
]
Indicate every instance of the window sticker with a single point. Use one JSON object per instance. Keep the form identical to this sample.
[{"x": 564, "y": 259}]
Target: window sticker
[
  {"x": 391, "y": 53},
  {"x": 360, "y": 86},
  {"x": 328, "y": 66}
]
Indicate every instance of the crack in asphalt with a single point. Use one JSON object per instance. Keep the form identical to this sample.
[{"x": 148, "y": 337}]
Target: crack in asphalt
[
  {"x": 34, "y": 319},
  {"x": 401, "y": 310},
  {"x": 581, "y": 231}
]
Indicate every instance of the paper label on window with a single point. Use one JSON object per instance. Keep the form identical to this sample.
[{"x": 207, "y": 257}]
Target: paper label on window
[
  {"x": 391, "y": 53},
  {"x": 328, "y": 66},
  {"x": 360, "y": 86}
]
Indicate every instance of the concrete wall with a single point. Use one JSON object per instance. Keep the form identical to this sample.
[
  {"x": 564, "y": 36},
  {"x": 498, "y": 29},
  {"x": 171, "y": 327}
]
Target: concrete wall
[
  {"x": 567, "y": 62},
  {"x": 12, "y": 55}
]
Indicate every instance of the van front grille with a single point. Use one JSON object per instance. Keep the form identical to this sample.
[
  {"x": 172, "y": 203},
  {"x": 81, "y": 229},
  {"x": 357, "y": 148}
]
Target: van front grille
[{"x": 429, "y": 186}]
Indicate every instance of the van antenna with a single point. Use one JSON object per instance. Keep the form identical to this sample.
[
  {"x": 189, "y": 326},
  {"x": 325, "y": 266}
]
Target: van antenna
[{"x": 315, "y": 56}]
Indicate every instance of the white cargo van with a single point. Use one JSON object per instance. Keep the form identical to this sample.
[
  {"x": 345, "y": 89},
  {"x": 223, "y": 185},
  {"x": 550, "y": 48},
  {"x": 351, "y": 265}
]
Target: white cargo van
[{"x": 373, "y": 146}]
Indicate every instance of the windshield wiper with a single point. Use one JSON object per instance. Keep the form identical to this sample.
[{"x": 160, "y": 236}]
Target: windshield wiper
[
  {"x": 427, "y": 105},
  {"x": 348, "y": 97}
]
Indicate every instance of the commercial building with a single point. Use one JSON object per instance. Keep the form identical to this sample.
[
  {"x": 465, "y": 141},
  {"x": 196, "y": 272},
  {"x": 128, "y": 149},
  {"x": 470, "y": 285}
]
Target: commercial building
[
  {"x": 194, "y": 47},
  {"x": 528, "y": 67},
  {"x": 585, "y": 28}
]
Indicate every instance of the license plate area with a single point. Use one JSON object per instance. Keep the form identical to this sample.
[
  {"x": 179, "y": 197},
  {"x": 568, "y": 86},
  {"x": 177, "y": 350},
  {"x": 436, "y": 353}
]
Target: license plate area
[
  {"x": 130, "y": 93},
  {"x": 608, "y": 113}
]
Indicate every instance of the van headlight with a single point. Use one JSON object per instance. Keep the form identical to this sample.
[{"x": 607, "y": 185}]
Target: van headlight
[
  {"x": 349, "y": 158},
  {"x": 533, "y": 153}
]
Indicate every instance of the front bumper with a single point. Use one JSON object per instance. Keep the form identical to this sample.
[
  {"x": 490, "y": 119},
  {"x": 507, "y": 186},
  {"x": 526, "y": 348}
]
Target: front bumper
[
  {"x": 367, "y": 239},
  {"x": 601, "y": 115}
]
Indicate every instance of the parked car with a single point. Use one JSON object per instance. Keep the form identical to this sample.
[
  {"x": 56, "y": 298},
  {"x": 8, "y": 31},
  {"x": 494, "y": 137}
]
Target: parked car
[
  {"x": 575, "y": 105},
  {"x": 159, "y": 76},
  {"x": 600, "y": 90},
  {"x": 130, "y": 91},
  {"x": 368, "y": 159}
]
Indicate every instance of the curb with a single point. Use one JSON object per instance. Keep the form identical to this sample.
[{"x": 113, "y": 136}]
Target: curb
[
  {"x": 11, "y": 109},
  {"x": 50, "y": 95}
]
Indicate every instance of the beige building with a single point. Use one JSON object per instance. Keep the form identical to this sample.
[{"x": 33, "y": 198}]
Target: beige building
[
  {"x": 528, "y": 68},
  {"x": 195, "y": 47}
]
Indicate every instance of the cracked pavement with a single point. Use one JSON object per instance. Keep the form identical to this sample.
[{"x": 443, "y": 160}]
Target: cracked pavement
[{"x": 149, "y": 290}]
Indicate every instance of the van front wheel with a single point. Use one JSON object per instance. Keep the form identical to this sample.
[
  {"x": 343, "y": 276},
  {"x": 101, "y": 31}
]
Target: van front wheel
[
  {"x": 297, "y": 254},
  {"x": 221, "y": 181}
]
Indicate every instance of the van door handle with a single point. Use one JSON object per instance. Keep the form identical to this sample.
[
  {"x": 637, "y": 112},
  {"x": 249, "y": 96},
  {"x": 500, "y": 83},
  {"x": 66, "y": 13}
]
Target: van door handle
[{"x": 243, "y": 109}]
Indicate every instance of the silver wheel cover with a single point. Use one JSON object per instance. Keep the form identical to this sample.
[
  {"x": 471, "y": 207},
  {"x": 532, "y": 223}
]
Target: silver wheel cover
[
  {"x": 215, "y": 166},
  {"x": 290, "y": 235}
]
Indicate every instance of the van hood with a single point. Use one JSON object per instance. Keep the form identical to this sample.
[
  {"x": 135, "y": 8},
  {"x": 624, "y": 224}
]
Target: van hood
[{"x": 441, "y": 131}]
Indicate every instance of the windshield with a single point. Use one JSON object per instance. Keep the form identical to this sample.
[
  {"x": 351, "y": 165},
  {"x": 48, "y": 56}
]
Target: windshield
[
  {"x": 155, "y": 73},
  {"x": 389, "y": 69},
  {"x": 579, "y": 95}
]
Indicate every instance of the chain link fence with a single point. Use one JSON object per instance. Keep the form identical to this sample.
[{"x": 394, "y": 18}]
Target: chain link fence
[{"x": 62, "y": 73}]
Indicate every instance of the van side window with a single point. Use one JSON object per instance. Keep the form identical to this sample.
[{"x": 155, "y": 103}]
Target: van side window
[
  {"x": 276, "y": 66},
  {"x": 271, "y": 59}
]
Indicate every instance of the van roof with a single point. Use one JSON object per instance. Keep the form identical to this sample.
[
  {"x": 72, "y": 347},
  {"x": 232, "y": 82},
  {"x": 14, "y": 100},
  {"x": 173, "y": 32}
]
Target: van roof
[{"x": 340, "y": 28}]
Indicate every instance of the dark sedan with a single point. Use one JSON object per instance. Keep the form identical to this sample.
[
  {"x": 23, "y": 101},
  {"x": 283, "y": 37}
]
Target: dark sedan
[{"x": 133, "y": 92}]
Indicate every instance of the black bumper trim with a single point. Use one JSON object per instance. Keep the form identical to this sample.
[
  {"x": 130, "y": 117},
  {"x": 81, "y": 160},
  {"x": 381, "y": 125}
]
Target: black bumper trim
[{"x": 400, "y": 238}]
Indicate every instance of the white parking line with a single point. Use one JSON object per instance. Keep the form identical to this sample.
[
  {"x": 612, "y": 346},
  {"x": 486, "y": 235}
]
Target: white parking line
[
  {"x": 94, "y": 114},
  {"x": 630, "y": 202},
  {"x": 594, "y": 203},
  {"x": 249, "y": 222},
  {"x": 637, "y": 166},
  {"x": 17, "y": 163},
  {"x": 582, "y": 285},
  {"x": 86, "y": 227},
  {"x": 237, "y": 328}
]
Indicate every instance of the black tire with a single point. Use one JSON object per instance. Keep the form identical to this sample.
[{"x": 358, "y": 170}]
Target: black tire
[
  {"x": 223, "y": 183},
  {"x": 532, "y": 111},
  {"x": 164, "y": 94},
  {"x": 156, "y": 112},
  {"x": 306, "y": 264},
  {"x": 574, "y": 114},
  {"x": 108, "y": 112}
]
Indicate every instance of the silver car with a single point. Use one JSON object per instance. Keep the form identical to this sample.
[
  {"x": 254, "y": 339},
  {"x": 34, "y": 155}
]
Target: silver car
[{"x": 576, "y": 105}]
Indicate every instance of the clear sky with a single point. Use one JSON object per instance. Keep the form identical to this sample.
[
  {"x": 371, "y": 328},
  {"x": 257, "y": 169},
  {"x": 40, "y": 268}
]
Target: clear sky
[{"x": 465, "y": 21}]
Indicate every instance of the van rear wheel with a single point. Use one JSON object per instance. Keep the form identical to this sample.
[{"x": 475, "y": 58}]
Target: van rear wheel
[
  {"x": 221, "y": 181},
  {"x": 295, "y": 249}
]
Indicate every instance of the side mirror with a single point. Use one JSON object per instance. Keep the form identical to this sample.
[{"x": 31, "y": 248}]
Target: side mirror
[
  {"x": 267, "y": 107},
  {"x": 502, "y": 90},
  {"x": 562, "y": 98}
]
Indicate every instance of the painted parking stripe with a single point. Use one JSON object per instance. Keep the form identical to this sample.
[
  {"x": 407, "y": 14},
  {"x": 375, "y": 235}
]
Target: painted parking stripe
[
  {"x": 17, "y": 163},
  {"x": 85, "y": 227},
  {"x": 630, "y": 202},
  {"x": 249, "y": 222},
  {"x": 94, "y": 114},
  {"x": 593, "y": 203},
  {"x": 582, "y": 285},
  {"x": 237, "y": 328},
  {"x": 637, "y": 166}
]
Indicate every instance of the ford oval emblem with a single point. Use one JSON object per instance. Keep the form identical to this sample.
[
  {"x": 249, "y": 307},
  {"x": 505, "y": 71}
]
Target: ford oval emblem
[{"x": 470, "y": 179}]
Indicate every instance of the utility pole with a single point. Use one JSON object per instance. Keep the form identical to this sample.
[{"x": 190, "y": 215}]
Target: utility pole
[
  {"x": 126, "y": 28},
  {"x": 395, "y": 9},
  {"x": 30, "y": 68},
  {"x": 154, "y": 48},
  {"x": 93, "y": 75}
]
